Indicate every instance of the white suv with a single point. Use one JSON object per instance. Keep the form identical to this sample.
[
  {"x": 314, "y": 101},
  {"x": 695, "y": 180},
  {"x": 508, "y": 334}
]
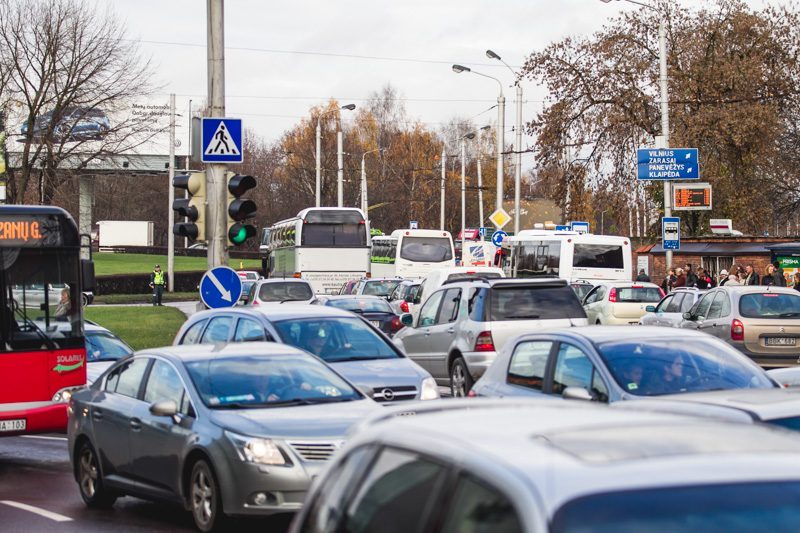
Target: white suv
[{"x": 620, "y": 302}]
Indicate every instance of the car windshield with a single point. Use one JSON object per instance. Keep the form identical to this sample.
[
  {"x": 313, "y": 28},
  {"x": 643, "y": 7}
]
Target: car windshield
[
  {"x": 638, "y": 294},
  {"x": 746, "y": 506},
  {"x": 380, "y": 287},
  {"x": 426, "y": 249},
  {"x": 361, "y": 305},
  {"x": 102, "y": 346},
  {"x": 336, "y": 339},
  {"x": 280, "y": 291},
  {"x": 532, "y": 303},
  {"x": 770, "y": 305},
  {"x": 241, "y": 382},
  {"x": 652, "y": 367}
]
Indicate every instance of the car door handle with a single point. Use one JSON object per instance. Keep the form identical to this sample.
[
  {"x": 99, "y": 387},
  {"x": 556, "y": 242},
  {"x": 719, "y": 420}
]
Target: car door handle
[
  {"x": 451, "y": 330},
  {"x": 97, "y": 415},
  {"x": 427, "y": 332},
  {"x": 136, "y": 424}
]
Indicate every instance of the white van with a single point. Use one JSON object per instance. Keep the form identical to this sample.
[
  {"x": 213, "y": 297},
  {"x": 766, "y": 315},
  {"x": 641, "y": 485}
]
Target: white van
[{"x": 437, "y": 278}]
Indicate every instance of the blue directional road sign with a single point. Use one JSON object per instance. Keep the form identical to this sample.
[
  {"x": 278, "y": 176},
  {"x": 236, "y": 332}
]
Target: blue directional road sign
[
  {"x": 220, "y": 287},
  {"x": 667, "y": 164},
  {"x": 562, "y": 228},
  {"x": 498, "y": 236},
  {"x": 671, "y": 233},
  {"x": 222, "y": 140}
]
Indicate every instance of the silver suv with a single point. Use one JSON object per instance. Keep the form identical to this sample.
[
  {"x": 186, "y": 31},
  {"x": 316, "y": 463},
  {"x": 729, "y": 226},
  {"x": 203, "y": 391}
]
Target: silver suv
[{"x": 462, "y": 325}]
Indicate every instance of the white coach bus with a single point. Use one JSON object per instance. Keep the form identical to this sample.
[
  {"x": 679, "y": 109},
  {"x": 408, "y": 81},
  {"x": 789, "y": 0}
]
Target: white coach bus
[
  {"x": 568, "y": 255},
  {"x": 411, "y": 253},
  {"x": 325, "y": 246}
]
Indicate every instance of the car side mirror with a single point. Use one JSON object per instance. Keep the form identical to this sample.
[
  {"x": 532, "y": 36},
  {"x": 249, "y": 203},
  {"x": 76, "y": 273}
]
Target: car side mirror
[
  {"x": 650, "y": 308},
  {"x": 577, "y": 393},
  {"x": 254, "y": 337},
  {"x": 687, "y": 315},
  {"x": 164, "y": 408},
  {"x": 407, "y": 319}
]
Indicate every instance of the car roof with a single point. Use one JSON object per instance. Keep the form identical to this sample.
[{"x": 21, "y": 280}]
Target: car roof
[
  {"x": 758, "y": 288},
  {"x": 264, "y": 281},
  {"x": 600, "y": 334},
  {"x": 571, "y": 449},
  {"x": 396, "y": 278},
  {"x": 276, "y": 311},
  {"x": 352, "y": 297},
  {"x": 647, "y": 284},
  {"x": 507, "y": 282},
  {"x": 198, "y": 352}
]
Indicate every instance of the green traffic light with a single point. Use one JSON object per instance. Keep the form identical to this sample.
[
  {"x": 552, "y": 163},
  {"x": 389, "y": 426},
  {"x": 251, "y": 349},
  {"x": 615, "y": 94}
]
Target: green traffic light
[{"x": 238, "y": 234}]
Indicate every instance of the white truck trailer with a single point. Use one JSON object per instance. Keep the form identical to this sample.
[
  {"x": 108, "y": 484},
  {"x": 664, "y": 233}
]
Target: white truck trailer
[{"x": 112, "y": 233}]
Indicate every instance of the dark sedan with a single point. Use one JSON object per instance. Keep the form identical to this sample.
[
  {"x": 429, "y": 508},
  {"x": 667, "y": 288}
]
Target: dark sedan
[
  {"x": 373, "y": 308},
  {"x": 220, "y": 430}
]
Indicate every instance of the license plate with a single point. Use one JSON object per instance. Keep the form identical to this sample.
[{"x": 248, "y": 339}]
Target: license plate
[
  {"x": 17, "y": 424},
  {"x": 781, "y": 341},
  {"x": 375, "y": 323}
]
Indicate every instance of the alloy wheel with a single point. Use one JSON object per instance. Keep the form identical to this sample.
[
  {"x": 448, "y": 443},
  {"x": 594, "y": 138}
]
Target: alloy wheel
[
  {"x": 458, "y": 381},
  {"x": 88, "y": 473},
  {"x": 203, "y": 498}
]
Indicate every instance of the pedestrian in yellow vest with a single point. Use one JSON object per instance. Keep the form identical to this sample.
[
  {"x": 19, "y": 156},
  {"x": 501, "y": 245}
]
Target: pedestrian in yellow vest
[{"x": 158, "y": 280}]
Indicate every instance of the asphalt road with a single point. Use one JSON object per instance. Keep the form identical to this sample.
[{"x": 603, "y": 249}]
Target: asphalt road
[{"x": 38, "y": 493}]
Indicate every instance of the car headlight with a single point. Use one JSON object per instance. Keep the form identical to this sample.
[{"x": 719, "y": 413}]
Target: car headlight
[
  {"x": 64, "y": 395},
  {"x": 430, "y": 390},
  {"x": 256, "y": 450}
]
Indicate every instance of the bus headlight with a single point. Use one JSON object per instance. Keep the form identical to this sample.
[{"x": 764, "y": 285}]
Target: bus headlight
[
  {"x": 64, "y": 395},
  {"x": 430, "y": 390}
]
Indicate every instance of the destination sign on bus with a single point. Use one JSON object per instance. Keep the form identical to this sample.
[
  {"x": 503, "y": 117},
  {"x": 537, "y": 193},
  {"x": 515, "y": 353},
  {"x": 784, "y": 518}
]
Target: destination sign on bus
[
  {"x": 692, "y": 197},
  {"x": 20, "y": 230}
]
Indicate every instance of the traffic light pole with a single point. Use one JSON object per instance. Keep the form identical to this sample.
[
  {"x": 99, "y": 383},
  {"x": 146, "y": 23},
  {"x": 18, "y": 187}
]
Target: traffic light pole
[
  {"x": 216, "y": 183},
  {"x": 171, "y": 216}
]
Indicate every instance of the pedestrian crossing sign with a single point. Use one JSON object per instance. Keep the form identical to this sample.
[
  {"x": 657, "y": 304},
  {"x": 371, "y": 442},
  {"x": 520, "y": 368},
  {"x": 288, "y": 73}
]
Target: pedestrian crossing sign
[{"x": 222, "y": 140}]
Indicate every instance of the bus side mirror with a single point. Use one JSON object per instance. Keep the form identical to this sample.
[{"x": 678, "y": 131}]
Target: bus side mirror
[{"x": 87, "y": 275}]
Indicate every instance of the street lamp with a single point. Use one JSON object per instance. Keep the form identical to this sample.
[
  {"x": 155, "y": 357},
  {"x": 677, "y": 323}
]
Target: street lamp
[
  {"x": 518, "y": 143},
  {"x": 349, "y": 107},
  {"x": 501, "y": 113},
  {"x": 664, "y": 90},
  {"x": 364, "y": 203}
]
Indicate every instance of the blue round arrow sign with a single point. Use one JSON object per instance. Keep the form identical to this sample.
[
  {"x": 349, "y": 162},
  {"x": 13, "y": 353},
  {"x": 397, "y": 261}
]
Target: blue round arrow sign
[
  {"x": 498, "y": 236},
  {"x": 220, "y": 287}
]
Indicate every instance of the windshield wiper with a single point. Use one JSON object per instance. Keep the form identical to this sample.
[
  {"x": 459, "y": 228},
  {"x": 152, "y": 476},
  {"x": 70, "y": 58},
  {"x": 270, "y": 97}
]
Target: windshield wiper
[
  {"x": 362, "y": 358},
  {"x": 523, "y": 316},
  {"x": 789, "y": 315},
  {"x": 294, "y": 300}
]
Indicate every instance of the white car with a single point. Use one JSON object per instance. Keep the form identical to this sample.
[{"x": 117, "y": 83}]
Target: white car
[
  {"x": 278, "y": 290},
  {"x": 536, "y": 466},
  {"x": 437, "y": 278},
  {"x": 620, "y": 302}
]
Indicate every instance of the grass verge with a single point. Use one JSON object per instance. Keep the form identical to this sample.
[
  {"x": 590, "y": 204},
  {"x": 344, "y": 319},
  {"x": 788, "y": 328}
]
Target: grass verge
[
  {"x": 145, "y": 298},
  {"x": 110, "y": 263},
  {"x": 141, "y": 327}
]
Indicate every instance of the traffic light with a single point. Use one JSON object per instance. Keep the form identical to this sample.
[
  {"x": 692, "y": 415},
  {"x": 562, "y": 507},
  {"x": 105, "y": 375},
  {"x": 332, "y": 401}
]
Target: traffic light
[
  {"x": 240, "y": 209},
  {"x": 193, "y": 208}
]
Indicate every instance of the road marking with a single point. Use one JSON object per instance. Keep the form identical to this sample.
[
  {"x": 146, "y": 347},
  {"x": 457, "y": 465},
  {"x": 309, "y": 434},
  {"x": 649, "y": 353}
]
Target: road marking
[
  {"x": 37, "y": 510},
  {"x": 42, "y": 437}
]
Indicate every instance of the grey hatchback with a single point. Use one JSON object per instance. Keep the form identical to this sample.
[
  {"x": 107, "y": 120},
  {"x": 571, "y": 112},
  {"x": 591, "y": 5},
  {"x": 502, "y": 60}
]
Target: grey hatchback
[{"x": 238, "y": 429}]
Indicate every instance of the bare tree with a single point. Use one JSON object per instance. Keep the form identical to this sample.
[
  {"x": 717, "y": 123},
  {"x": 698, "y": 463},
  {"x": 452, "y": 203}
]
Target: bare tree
[{"x": 68, "y": 65}]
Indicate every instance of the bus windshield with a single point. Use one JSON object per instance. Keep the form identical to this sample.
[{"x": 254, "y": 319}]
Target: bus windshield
[
  {"x": 426, "y": 249},
  {"x": 334, "y": 228},
  {"x": 40, "y": 299},
  {"x": 537, "y": 258}
]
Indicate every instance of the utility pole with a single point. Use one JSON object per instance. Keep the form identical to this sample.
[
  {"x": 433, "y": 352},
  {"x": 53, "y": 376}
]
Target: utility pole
[
  {"x": 501, "y": 128},
  {"x": 215, "y": 172},
  {"x": 318, "y": 157},
  {"x": 170, "y": 211},
  {"x": 662, "y": 60},
  {"x": 518, "y": 169},
  {"x": 340, "y": 169},
  {"x": 441, "y": 192},
  {"x": 463, "y": 194}
]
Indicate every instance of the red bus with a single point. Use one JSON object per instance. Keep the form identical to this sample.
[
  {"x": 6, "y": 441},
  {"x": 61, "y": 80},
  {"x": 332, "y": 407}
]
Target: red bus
[{"x": 42, "y": 350}]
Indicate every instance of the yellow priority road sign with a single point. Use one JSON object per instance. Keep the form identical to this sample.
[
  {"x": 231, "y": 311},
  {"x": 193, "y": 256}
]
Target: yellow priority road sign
[{"x": 500, "y": 218}]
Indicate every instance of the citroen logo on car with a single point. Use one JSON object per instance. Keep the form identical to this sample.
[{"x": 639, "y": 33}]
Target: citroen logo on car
[{"x": 388, "y": 394}]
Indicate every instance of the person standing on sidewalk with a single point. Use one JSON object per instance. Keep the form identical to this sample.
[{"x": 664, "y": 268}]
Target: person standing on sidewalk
[{"x": 158, "y": 280}]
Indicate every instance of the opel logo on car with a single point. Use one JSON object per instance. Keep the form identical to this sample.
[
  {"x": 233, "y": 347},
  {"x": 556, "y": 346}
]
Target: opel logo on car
[{"x": 388, "y": 394}]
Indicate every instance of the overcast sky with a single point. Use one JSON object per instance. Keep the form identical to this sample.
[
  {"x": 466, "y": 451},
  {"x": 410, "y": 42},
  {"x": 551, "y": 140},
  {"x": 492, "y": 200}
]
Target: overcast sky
[{"x": 284, "y": 57}]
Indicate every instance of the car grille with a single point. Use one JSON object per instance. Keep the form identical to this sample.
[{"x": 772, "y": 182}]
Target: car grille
[
  {"x": 394, "y": 394},
  {"x": 315, "y": 451}
]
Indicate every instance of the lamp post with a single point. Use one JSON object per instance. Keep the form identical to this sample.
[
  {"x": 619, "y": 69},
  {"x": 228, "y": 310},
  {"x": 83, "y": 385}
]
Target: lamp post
[
  {"x": 364, "y": 202},
  {"x": 501, "y": 113},
  {"x": 441, "y": 192},
  {"x": 463, "y": 188},
  {"x": 518, "y": 142},
  {"x": 664, "y": 93},
  {"x": 349, "y": 107}
]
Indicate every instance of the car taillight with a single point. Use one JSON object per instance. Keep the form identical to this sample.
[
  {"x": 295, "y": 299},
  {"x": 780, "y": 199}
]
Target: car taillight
[
  {"x": 737, "y": 330},
  {"x": 396, "y": 325},
  {"x": 612, "y": 296},
  {"x": 471, "y": 394},
  {"x": 404, "y": 307},
  {"x": 297, "y": 275},
  {"x": 484, "y": 342}
]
